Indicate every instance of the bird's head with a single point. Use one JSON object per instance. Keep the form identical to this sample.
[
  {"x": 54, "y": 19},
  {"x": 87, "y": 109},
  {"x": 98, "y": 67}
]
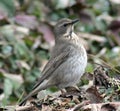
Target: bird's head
[{"x": 64, "y": 27}]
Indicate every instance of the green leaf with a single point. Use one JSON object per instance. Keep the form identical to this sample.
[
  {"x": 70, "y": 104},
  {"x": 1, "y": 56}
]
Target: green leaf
[
  {"x": 7, "y": 6},
  {"x": 8, "y": 87},
  {"x": 7, "y": 49},
  {"x": 89, "y": 68},
  {"x": 1, "y": 75}
]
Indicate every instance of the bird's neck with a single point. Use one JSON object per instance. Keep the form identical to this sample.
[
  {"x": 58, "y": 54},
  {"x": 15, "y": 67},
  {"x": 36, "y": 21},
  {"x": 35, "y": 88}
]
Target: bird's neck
[{"x": 71, "y": 38}]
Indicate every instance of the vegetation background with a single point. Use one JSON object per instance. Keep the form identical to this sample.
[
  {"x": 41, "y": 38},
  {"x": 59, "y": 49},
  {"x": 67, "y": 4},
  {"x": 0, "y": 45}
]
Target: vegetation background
[{"x": 26, "y": 38}]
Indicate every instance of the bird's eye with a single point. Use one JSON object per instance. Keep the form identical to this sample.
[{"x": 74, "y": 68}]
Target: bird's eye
[{"x": 64, "y": 25}]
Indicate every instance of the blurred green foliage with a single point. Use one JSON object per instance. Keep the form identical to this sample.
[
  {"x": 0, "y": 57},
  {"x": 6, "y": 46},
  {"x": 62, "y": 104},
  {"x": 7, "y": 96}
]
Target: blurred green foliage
[{"x": 26, "y": 38}]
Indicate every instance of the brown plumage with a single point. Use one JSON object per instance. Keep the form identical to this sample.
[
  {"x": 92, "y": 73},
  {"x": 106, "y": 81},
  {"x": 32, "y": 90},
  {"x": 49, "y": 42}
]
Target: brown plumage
[{"x": 67, "y": 62}]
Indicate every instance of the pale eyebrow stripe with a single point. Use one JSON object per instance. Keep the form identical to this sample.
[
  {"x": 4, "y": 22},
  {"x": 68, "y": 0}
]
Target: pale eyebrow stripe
[{"x": 64, "y": 23}]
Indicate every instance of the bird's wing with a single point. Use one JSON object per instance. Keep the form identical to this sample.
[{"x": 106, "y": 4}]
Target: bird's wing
[{"x": 51, "y": 66}]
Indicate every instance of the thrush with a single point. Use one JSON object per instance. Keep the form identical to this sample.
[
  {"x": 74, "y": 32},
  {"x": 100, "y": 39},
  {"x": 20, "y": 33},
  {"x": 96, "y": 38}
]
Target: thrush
[{"x": 67, "y": 62}]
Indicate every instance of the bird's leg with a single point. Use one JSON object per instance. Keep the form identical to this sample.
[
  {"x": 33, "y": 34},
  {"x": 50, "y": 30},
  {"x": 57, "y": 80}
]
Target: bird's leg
[
  {"x": 63, "y": 91},
  {"x": 72, "y": 89}
]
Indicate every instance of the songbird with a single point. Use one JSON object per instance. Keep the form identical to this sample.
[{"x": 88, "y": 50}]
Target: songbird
[{"x": 67, "y": 62}]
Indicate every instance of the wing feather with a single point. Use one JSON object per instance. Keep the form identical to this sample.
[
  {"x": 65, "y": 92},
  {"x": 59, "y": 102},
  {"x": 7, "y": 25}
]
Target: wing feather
[{"x": 51, "y": 66}]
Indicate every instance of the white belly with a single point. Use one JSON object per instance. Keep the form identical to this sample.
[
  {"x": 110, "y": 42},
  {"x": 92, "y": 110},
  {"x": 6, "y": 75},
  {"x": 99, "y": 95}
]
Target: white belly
[{"x": 72, "y": 70}]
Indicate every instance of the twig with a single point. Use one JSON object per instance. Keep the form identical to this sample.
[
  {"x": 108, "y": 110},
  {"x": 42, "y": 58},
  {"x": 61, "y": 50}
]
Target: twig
[
  {"x": 24, "y": 108},
  {"x": 77, "y": 107}
]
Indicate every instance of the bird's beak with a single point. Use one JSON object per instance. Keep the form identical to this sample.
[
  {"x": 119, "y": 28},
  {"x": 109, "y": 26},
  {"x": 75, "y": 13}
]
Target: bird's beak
[{"x": 74, "y": 21}]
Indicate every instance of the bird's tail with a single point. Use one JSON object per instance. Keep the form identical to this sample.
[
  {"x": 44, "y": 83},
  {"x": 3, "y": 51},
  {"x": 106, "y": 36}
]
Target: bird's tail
[
  {"x": 28, "y": 96},
  {"x": 40, "y": 87}
]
